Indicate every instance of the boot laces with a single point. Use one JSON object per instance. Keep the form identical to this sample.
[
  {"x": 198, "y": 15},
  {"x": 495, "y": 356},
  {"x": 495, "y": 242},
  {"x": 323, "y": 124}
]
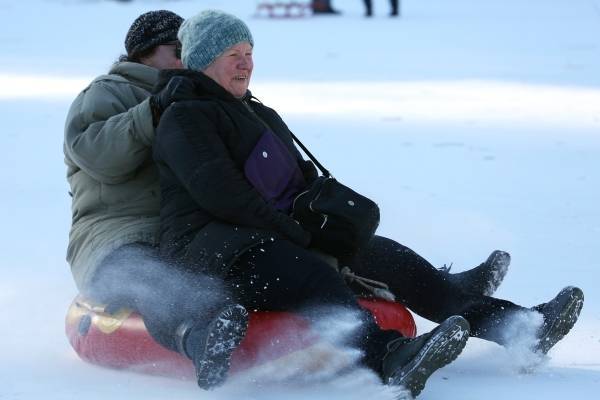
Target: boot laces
[{"x": 446, "y": 268}]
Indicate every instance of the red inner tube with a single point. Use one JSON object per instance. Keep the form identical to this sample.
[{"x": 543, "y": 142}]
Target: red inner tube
[{"x": 120, "y": 340}]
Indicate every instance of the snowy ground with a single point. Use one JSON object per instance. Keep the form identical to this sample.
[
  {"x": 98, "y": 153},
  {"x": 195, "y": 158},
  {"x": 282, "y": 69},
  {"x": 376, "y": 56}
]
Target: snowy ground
[{"x": 475, "y": 124}]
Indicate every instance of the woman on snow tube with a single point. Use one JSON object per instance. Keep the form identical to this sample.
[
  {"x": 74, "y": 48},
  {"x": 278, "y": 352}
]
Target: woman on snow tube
[{"x": 229, "y": 173}]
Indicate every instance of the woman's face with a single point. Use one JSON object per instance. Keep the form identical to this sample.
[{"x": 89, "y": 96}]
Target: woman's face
[{"x": 233, "y": 69}]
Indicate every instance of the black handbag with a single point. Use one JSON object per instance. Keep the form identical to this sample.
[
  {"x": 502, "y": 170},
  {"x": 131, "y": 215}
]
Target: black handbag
[{"x": 340, "y": 220}]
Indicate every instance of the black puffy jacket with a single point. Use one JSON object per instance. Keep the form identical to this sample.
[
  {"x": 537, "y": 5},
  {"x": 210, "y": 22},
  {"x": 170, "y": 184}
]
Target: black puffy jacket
[{"x": 210, "y": 212}]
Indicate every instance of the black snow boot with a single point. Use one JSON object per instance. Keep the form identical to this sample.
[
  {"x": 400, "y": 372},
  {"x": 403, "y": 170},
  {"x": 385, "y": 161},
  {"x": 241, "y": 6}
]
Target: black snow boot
[
  {"x": 210, "y": 344},
  {"x": 485, "y": 278},
  {"x": 560, "y": 314},
  {"x": 410, "y": 362}
]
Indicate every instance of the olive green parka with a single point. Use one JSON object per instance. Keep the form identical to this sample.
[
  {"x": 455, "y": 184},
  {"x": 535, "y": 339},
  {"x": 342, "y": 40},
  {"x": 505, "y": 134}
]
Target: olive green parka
[{"x": 113, "y": 179}]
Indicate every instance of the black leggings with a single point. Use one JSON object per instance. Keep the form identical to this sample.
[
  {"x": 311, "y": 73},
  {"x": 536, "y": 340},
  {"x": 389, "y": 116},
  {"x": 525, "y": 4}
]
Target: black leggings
[
  {"x": 277, "y": 277},
  {"x": 282, "y": 276},
  {"x": 426, "y": 291}
]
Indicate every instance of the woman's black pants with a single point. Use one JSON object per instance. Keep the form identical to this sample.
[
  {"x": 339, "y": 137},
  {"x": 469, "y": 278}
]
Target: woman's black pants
[
  {"x": 426, "y": 290},
  {"x": 281, "y": 276}
]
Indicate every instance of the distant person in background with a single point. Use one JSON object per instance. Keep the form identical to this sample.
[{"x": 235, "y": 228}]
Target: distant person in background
[
  {"x": 323, "y": 7},
  {"x": 393, "y": 3},
  {"x": 109, "y": 134}
]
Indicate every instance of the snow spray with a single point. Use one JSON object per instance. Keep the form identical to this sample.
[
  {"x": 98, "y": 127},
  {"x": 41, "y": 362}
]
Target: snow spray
[
  {"x": 520, "y": 336},
  {"x": 328, "y": 369},
  {"x": 133, "y": 277}
]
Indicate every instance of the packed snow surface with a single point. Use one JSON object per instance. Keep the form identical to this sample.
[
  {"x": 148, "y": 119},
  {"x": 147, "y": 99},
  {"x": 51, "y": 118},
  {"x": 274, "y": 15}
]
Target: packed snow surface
[{"x": 474, "y": 124}]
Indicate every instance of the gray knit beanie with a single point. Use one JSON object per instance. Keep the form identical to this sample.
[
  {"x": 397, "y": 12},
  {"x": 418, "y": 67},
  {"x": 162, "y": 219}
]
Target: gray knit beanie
[
  {"x": 207, "y": 35},
  {"x": 150, "y": 30}
]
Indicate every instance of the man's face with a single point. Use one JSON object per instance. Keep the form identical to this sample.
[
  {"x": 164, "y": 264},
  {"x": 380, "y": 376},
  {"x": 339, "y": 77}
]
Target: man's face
[{"x": 165, "y": 56}]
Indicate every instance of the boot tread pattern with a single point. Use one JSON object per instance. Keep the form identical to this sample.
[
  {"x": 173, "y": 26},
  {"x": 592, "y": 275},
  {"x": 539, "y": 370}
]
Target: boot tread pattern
[
  {"x": 225, "y": 335},
  {"x": 556, "y": 328},
  {"x": 445, "y": 344}
]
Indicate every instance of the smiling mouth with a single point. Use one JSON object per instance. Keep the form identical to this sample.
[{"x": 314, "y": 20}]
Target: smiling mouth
[{"x": 240, "y": 78}]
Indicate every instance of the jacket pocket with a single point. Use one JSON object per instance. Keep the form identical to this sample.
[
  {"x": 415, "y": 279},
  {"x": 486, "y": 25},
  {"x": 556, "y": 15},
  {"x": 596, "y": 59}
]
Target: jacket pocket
[{"x": 274, "y": 172}]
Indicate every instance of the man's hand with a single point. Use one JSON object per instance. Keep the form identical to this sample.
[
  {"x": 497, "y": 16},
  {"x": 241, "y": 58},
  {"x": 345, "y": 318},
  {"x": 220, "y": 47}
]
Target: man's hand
[{"x": 178, "y": 88}]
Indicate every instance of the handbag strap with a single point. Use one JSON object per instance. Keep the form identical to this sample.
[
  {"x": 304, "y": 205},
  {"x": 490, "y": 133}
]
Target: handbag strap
[{"x": 324, "y": 170}]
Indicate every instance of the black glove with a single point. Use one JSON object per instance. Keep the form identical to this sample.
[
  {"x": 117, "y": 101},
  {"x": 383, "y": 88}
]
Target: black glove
[{"x": 178, "y": 88}]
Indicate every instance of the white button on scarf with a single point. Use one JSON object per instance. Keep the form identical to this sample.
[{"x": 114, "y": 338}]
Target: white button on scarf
[{"x": 265, "y": 155}]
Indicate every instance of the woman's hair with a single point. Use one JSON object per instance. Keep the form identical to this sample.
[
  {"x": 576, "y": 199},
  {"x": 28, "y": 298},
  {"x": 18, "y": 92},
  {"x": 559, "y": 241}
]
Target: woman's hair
[
  {"x": 122, "y": 58},
  {"x": 137, "y": 58}
]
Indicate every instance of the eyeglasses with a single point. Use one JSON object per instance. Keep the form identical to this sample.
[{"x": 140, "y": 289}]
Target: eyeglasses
[{"x": 177, "y": 45}]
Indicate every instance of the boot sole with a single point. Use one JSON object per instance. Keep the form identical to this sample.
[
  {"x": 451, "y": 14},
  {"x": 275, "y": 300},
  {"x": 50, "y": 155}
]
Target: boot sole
[
  {"x": 571, "y": 300},
  {"x": 446, "y": 343},
  {"x": 225, "y": 334},
  {"x": 499, "y": 263}
]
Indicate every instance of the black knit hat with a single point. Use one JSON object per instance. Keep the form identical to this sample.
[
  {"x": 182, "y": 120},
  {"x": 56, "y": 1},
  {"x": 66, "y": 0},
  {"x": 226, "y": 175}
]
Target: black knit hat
[{"x": 150, "y": 30}]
